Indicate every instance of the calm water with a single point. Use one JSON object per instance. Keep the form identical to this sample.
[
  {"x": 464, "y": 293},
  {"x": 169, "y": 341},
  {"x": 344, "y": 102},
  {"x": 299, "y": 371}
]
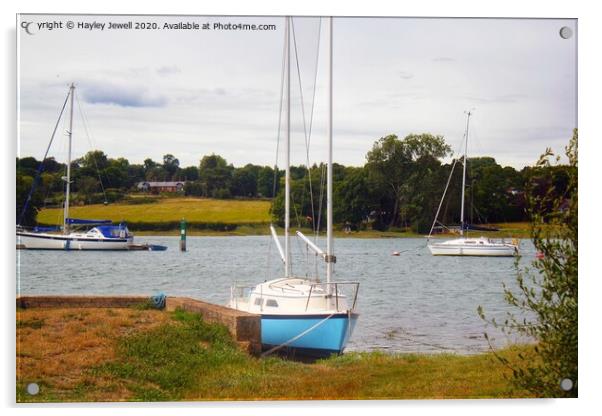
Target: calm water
[{"x": 411, "y": 303}]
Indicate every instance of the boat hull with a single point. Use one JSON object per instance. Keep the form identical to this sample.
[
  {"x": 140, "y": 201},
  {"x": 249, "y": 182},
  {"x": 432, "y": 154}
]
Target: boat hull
[
  {"x": 43, "y": 241},
  {"x": 462, "y": 250},
  {"x": 323, "y": 334}
]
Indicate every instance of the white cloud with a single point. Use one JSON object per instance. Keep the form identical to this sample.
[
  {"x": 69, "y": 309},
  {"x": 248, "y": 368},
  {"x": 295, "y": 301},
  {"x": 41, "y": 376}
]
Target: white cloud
[{"x": 191, "y": 93}]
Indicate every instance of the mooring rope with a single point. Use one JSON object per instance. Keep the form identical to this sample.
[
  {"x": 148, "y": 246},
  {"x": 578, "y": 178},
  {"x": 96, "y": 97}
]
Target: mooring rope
[{"x": 308, "y": 330}]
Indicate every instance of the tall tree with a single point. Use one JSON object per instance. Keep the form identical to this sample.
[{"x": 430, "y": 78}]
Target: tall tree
[
  {"x": 171, "y": 165},
  {"x": 244, "y": 181},
  {"x": 135, "y": 174},
  {"x": 86, "y": 188},
  {"x": 94, "y": 159},
  {"x": 354, "y": 198},
  {"x": 149, "y": 164},
  {"x": 157, "y": 174},
  {"x": 392, "y": 163},
  {"x": 216, "y": 175},
  {"x": 190, "y": 173},
  {"x": 265, "y": 182}
]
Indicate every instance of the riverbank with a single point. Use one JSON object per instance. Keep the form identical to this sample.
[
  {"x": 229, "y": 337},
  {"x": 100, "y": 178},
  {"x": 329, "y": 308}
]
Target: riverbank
[
  {"x": 139, "y": 354},
  {"x": 506, "y": 230},
  {"x": 264, "y": 229}
]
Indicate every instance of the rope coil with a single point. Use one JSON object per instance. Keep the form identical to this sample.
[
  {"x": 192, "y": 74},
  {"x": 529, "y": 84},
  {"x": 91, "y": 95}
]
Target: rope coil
[{"x": 158, "y": 300}]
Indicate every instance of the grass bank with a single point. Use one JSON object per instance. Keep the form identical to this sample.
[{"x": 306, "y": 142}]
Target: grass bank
[
  {"x": 149, "y": 355},
  {"x": 263, "y": 229}
]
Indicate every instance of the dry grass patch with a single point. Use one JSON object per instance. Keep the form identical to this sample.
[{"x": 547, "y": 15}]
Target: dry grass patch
[{"x": 70, "y": 341}]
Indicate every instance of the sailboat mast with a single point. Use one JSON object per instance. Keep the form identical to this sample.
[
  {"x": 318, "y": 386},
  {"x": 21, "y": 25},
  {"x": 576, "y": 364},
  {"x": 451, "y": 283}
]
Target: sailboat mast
[
  {"x": 464, "y": 174},
  {"x": 68, "y": 188},
  {"x": 330, "y": 259},
  {"x": 287, "y": 150}
]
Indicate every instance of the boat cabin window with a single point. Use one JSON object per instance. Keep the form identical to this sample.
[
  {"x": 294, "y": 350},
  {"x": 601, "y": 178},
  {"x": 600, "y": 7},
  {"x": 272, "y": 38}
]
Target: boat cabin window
[
  {"x": 272, "y": 303},
  {"x": 258, "y": 301},
  {"x": 470, "y": 242}
]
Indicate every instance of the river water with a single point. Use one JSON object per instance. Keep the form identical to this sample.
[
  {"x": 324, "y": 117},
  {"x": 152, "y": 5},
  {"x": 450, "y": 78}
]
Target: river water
[{"x": 414, "y": 302}]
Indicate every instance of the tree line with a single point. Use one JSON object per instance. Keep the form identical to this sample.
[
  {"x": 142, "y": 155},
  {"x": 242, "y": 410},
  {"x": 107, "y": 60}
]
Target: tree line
[{"x": 399, "y": 186}]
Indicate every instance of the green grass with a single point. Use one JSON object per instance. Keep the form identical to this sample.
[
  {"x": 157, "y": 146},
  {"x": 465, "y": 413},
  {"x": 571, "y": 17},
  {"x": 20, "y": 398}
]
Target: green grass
[
  {"x": 186, "y": 358},
  {"x": 169, "y": 209},
  {"x": 159, "y": 368},
  {"x": 31, "y": 323},
  {"x": 161, "y": 364}
]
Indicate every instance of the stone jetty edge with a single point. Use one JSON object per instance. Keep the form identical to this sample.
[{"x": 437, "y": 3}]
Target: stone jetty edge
[{"x": 244, "y": 327}]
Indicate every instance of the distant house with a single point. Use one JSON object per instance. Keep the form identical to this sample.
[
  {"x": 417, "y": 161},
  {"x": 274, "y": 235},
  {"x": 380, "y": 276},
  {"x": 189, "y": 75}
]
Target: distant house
[{"x": 157, "y": 187}]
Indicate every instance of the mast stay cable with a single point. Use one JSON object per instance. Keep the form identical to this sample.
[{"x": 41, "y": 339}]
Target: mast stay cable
[
  {"x": 41, "y": 166},
  {"x": 275, "y": 175},
  {"x": 306, "y": 129},
  {"x": 88, "y": 137}
]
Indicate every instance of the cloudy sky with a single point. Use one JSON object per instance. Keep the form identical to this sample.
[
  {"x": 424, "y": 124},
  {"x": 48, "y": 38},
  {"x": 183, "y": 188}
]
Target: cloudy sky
[{"x": 145, "y": 93}]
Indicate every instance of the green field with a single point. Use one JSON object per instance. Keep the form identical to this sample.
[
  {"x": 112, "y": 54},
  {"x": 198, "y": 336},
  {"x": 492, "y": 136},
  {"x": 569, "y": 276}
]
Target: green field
[
  {"x": 246, "y": 217},
  {"x": 200, "y": 210}
]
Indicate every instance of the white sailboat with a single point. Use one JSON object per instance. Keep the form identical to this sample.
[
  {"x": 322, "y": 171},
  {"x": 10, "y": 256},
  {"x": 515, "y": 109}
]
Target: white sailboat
[
  {"x": 465, "y": 246},
  {"x": 102, "y": 236},
  {"x": 305, "y": 315}
]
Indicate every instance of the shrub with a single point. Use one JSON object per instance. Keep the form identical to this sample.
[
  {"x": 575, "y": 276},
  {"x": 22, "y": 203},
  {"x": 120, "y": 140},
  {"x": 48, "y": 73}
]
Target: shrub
[{"x": 548, "y": 289}]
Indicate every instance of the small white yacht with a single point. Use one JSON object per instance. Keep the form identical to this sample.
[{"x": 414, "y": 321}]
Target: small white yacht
[
  {"x": 465, "y": 246},
  {"x": 481, "y": 246},
  {"x": 102, "y": 236},
  {"x": 312, "y": 318},
  {"x": 303, "y": 315}
]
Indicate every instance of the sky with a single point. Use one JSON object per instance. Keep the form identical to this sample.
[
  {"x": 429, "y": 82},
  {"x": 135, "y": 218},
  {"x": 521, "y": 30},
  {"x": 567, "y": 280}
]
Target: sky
[{"x": 145, "y": 93}]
